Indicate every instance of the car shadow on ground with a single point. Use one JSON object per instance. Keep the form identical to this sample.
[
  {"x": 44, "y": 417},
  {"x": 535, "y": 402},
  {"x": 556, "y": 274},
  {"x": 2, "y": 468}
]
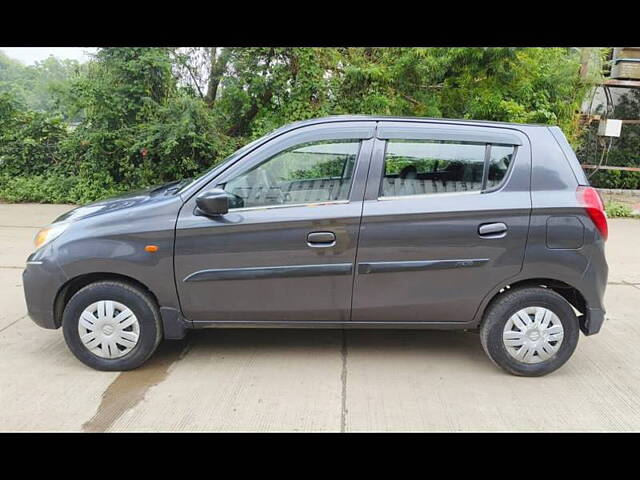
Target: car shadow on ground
[{"x": 428, "y": 343}]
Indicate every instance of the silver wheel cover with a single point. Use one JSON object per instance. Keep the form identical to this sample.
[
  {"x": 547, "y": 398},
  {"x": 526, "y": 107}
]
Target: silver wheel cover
[
  {"x": 108, "y": 329},
  {"x": 533, "y": 335}
]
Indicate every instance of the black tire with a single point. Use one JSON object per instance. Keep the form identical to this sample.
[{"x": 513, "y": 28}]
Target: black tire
[
  {"x": 137, "y": 300},
  {"x": 511, "y": 302}
]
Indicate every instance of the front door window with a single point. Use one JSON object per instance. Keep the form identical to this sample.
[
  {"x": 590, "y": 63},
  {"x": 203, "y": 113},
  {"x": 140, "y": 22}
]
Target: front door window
[{"x": 312, "y": 172}]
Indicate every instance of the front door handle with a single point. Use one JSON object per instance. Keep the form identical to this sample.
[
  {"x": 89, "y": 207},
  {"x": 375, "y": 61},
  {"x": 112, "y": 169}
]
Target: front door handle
[
  {"x": 492, "y": 230},
  {"x": 321, "y": 239}
]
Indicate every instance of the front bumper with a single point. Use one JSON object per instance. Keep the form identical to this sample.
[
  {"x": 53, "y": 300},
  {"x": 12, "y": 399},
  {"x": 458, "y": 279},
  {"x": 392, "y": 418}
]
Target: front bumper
[{"x": 42, "y": 281}]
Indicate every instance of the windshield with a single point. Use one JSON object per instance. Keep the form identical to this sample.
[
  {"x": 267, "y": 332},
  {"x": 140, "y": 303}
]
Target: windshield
[{"x": 230, "y": 158}]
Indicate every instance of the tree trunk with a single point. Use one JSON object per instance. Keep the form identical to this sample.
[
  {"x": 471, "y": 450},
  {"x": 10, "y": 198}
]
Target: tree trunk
[{"x": 217, "y": 69}]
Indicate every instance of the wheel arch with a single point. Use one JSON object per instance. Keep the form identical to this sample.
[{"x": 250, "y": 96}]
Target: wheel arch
[
  {"x": 570, "y": 293},
  {"x": 73, "y": 285}
]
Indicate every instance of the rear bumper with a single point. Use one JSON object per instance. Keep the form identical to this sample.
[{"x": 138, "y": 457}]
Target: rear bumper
[
  {"x": 593, "y": 320},
  {"x": 594, "y": 284},
  {"x": 41, "y": 282}
]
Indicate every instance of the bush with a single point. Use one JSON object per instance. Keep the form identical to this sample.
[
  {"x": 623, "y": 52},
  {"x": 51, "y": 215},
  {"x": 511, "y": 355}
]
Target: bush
[
  {"x": 52, "y": 188},
  {"x": 29, "y": 141},
  {"x": 616, "y": 179},
  {"x": 615, "y": 209}
]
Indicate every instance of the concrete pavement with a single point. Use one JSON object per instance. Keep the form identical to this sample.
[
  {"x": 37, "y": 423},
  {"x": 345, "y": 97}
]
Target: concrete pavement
[{"x": 315, "y": 380}]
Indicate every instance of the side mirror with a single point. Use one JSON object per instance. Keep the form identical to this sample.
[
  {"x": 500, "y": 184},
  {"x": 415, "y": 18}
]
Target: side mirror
[{"x": 213, "y": 202}]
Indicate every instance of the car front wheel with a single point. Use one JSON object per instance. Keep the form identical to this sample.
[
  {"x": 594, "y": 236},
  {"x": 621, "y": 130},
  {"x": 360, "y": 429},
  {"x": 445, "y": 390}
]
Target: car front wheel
[{"x": 112, "y": 325}]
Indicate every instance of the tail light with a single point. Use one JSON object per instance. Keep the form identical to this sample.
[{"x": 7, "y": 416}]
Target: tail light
[{"x": 592, "y": 203}]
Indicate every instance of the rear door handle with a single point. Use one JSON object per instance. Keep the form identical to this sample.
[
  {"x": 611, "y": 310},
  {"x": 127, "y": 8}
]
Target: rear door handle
[
  {"x": 321, "y": 239},
  {"x": 492, "y": 230}
]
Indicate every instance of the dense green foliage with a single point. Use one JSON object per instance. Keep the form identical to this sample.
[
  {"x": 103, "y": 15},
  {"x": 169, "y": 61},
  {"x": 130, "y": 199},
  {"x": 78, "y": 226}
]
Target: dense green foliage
[{"x": 133, "y": 117}]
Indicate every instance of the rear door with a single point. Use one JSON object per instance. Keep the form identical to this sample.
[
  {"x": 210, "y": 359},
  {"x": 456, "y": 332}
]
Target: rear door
[{"x": 445, "y": 220}]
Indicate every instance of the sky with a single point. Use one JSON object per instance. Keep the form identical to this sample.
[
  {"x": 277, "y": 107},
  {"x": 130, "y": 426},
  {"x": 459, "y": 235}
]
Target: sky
[{"x": 30, "y": 55}]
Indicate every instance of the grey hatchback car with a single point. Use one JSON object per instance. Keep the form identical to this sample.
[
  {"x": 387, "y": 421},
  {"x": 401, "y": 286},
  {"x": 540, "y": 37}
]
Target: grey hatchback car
[{"x": 341, "y": 222}]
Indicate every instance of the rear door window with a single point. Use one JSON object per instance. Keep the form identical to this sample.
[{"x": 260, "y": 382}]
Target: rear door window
[{"x": 419, "y": 167}]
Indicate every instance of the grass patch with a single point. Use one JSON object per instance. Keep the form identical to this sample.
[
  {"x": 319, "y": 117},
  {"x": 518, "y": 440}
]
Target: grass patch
[{"x": 619, "y": 210}]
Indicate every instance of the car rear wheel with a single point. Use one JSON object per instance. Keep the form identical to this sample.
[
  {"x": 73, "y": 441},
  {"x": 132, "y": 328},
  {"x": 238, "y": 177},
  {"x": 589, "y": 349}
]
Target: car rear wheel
[
  {"x": 530, "y": 331},
  {"x": 111, "y": 325}
]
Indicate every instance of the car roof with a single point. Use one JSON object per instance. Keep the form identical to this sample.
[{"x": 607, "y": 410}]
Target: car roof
[{"x": 382, "y": 118}]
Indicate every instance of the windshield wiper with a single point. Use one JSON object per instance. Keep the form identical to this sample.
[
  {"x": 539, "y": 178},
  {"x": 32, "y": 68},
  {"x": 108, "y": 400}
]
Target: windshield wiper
[
  {"x": 177, "y": 185},
  {"x": 169, "y": 187}
]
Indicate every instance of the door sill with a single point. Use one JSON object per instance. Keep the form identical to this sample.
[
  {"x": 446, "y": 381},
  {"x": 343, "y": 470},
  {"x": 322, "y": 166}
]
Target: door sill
[{"x": 334, "y": 325}]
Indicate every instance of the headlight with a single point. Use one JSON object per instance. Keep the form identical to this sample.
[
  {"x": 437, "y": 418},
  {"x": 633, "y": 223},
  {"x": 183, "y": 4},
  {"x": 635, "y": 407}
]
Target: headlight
[{"x": 48, "y": 233}]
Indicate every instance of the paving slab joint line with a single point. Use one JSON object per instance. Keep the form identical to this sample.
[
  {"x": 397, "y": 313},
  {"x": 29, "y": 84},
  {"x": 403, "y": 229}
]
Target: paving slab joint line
[
  {"x": 13, "y": 323},
  {"x": 343, "y": 378}
]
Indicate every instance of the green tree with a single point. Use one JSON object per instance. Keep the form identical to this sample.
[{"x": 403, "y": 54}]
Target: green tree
[
  {"x": 44, "y": 87},
  {"x": 137, "y": 116}
]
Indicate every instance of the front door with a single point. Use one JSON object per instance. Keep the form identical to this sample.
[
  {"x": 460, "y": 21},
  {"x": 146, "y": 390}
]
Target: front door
[
  {"x": 286, "y": 250},
  {"x": 445, "y": 220}
]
